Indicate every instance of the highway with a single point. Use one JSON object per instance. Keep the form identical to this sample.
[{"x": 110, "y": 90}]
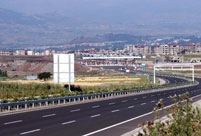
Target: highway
[{"x": 111, "y": 117}]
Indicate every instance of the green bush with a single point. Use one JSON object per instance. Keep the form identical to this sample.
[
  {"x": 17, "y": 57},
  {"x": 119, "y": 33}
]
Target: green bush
[{"x": 182, "y": 119}]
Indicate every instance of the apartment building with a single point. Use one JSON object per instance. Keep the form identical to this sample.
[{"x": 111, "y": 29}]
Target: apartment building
[{"x": 137, "y": 50}]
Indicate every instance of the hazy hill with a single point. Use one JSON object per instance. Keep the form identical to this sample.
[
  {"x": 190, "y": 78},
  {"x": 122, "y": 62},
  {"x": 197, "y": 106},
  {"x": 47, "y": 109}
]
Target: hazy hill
[{"x": 49, "y": 22}]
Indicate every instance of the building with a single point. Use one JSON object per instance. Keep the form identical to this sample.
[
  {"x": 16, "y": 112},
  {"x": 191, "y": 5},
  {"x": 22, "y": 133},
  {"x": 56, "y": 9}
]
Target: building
[
  {"x": 138, "y": 50},
  {"x": 31, "y": 77},
  {"x": 166, "y": 49},
  {"x": 174, "y": 49},
  {"x": 20, "y": 52},
  {"x": 5, "y": 53},
  {"x": 30, "y": 53}
]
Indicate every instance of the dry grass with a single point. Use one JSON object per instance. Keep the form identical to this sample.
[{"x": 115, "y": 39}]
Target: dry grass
[{"x": 90, "y": 81}]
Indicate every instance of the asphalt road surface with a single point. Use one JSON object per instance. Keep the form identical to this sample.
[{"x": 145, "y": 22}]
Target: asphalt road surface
[{"x": 97, "y": 118}]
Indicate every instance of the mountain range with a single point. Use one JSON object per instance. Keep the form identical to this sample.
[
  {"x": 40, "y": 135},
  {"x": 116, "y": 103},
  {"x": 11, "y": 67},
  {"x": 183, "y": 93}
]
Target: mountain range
[{"x": 25, "y": 23}]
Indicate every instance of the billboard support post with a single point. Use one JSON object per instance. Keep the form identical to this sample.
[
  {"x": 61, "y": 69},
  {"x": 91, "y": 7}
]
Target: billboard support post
[
  {"x": 58, "y": 68},
  {"x": 64, "y": 69},
  {"x": 69, "y": 74}
]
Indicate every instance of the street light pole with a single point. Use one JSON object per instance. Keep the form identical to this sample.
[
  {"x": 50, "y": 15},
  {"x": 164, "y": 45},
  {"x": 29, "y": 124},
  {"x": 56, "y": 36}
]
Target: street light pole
[{"x": 193, "y": 73}]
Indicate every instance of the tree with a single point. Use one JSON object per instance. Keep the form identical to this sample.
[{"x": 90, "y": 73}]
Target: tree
[
  {"x": 3, "y": 73},
  {"x": 44, "y": 76}
]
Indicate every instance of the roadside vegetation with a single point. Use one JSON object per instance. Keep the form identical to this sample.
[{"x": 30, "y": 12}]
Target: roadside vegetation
[
  {"x": 13, "y": 92},
  {"x": 86, "y": 83},
  {"x": 182, "y": 119}
]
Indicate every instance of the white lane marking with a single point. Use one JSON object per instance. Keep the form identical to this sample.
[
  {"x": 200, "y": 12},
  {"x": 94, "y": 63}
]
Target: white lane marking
[
  {"x": 69, "y": 122},
  {"x": 143, "y": 104},
  {"x": 111, "y": 103},
  {"x": 115, "y": 111},
  {"x": 50, "y": 115},
  {"x": 28, "y": 132},
  {"x": 75, "y": 110},
  {"x": 144, "y": 97},
  {"x": 129, "y": 120},
  {"x": 13, "y": 122},
  {"x": 106, "y": 128},
  {"x": 135, "y": 99},
  {"x": 131, "y": 107},
  {"x": 97, "y": 106},
  {"x": 124, "y": 101},
  {"x": 159, "y": 94},
  {"x": 153, "y": 101},
  {"x": 95, "y": 116}
]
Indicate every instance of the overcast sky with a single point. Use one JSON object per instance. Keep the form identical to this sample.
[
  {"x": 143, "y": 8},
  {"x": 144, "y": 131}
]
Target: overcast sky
[
  {"x": 175, "y": 11},
  {"x": 86, "y": 6}
]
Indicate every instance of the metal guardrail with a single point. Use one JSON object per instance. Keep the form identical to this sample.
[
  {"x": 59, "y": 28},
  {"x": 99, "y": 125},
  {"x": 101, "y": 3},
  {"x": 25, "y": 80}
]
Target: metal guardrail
[{"x": 15, "y": 106}]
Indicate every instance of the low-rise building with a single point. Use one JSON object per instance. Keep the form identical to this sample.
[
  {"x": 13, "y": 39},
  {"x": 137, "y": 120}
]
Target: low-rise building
[
  {"x": 5, "y": 53},
  {"x": 30, "y": 53},
  {"x": 20, "y": 52}
]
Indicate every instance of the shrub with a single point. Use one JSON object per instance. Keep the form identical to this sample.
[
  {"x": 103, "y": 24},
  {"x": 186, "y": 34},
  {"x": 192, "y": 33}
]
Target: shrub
[
  {"x": 182, "y": 119},
  {"x": 44, "y": 76}
]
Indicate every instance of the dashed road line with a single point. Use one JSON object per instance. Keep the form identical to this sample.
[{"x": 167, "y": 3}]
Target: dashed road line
[
  {"x": 75, "y": 110},
  {"x": 153, "y": 101},
  {"x": 97, "y": 106},
  {"x": 112, "y": 103},
  {"x": 97, "y": 115},
  {"x": 130, "y": 107},
  {"x": 50, "y": 115},
  {"x": 124, "y": 101},
  {"x": 69, "y": 122},
  {"x": 28, "y": 132},
  {"x": 115, "y": 111},
  {"x": 143, "y": 104},
  {"x": 13, "y": 122}
]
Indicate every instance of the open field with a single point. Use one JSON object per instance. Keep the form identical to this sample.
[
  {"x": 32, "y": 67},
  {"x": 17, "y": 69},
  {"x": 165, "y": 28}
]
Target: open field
[
  {"x": 87, "y": 82},
  {"x": 95, "y": 78}
]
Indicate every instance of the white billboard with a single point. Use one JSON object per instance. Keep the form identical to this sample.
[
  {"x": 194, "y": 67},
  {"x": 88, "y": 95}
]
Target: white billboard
[{"x": 64, "y": 68}]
